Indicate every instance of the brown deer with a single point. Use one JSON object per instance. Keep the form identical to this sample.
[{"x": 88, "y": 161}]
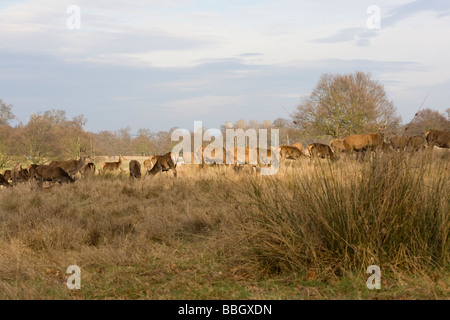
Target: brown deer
[
  {"x": 18, "y": 174},
  {"x": 291, "y": 152},
  {"x": 415, "y": 143},
  {"x": 360, "y": 143},
  {"x": 320, "y": 150},
  {"x": 298, "y": 145},
  {"x": 135, "y": 169},
  {"x": 398, "y": 143},
  {"x": 112, "y": 166},
  {"x": 48, "y": 173},
  {"x": 150, "y": 162},
  {"x": 7, "y": 175},
  {"x": 4, "y": 182},
  {"x": 88, "y": 169},
  {"x": 164, "y": 163},
  {"x": 71, "y": 166},
  {"x": 438, "y": 138},
  {"x": 337, "y": 145}
]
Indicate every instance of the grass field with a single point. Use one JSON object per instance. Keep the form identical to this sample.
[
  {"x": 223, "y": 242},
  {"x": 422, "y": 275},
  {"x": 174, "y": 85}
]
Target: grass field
[{"x": 309, "y": 232}]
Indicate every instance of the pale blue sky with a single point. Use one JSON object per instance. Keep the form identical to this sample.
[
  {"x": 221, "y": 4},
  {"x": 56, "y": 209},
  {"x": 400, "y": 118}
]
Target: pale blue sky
[{"x": 159, "y": 64}]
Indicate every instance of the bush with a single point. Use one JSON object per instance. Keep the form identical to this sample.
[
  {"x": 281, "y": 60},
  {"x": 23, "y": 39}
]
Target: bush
[{"x": 389, "y": 211}]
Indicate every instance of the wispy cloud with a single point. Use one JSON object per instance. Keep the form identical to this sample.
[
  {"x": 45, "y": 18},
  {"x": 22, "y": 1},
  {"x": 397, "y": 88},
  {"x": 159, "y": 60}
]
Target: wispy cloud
[
  {"x": 361, "y": 36},
  {"x": 412, "y": 8}
]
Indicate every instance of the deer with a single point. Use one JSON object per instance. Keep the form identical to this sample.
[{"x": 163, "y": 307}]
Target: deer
[
  {"x": 135, "y": 169},
  {"x": 398, "y": 143},
  {"x": 439, "y": 138},
  {"x": 49, "y": 173},
  {"x": 112, "y": 166},
  {"x": 415, "y": 143},
  {"x": 88, "y": 169},
  {"x": 4, "y": 181},
  {"x": 337, "y": 145},
  {"x": 363, "y": 142},
  {"x": 320, "y": 150},
  {"x": 18, "y": 174},
  {"x": 298, "y": 145},
  {"x": 164, "y": 163},
  {"x": 150, "y": 162},
  {"x": 71, "y": 166},
  {"x": 7, "y": 175},
  {"x": 291, "y": 152}
]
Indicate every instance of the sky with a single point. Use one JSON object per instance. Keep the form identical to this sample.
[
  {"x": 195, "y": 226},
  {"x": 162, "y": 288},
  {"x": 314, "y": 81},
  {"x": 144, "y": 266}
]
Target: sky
[{"x": 159, "y": 64}]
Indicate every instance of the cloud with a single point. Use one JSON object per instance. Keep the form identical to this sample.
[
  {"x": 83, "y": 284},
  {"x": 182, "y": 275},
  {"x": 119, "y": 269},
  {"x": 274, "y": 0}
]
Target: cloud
[
  {"x": 412, "y": 8},
  {"x": 361, "y": 36}
]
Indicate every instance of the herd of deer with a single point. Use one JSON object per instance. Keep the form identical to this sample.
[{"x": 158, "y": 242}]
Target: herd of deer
[{"x": 64, "y": 171}]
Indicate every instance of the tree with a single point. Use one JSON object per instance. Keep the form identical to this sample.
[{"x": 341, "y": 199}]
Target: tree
[
  {"x": 142, "y": 145},
  {"x": 347, "y": 104},
  {"x": 6, "y": 114},
  {"x": 288, "y": 132},
  {"x": 240, "y": 124},
  {"x": 425, "y": 120}
]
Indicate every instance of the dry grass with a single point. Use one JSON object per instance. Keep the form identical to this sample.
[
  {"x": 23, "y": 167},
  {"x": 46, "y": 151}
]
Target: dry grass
[{"x": 307, "y": 233}]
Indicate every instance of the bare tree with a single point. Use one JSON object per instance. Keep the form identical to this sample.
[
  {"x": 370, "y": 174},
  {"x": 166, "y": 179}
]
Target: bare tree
[
  {"x": 6, "y": 114},
  {"x": 345, "y": 104},
  {"x": 425, "y": 120},
  {"x": 240, "y": 124}
]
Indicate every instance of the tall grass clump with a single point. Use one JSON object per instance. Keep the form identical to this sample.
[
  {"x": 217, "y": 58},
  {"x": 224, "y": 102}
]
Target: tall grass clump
[{"x": 342, "y": 217}]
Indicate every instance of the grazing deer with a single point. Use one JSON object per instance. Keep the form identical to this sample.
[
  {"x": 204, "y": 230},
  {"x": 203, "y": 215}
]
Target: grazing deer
[
  {"x": 71, "y": 166},
  {"x": 337, "y": 145},
  {"x": 48, "y": 173},
  {"x": 290, "y": 152},
  {"x": 320, "y": 150},
  {"x": 150, "y": 162},
  {"x": 165, "y": 163},
  {"x": 112, "y": 166}
]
